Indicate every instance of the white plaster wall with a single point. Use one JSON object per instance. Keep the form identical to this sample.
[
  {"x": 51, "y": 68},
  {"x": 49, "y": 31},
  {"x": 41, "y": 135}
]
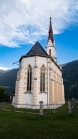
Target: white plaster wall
[
  {"x": 53, "y": 51},
  {"x": 29, "y": 60},
  {"x": 42, "y": 61},
  {"x": 42, "y": 97},
  {"x": 50, "y": 45},
  {"x": 27, "y": 98}
]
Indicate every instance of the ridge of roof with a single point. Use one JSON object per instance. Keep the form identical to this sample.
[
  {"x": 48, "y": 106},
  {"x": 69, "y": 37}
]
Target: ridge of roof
[{"x": 37, "y": 49}]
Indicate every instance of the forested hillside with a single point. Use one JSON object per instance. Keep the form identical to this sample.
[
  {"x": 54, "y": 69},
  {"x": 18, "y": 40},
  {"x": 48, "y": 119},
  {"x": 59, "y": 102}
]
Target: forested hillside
[
  {"x": 8, "y": 79},
  {"x": 3, "y": 72},
  {"x": 70, "y": 76}
]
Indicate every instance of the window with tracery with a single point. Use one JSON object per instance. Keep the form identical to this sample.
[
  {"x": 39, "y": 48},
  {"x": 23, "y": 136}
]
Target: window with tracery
[
  {"x": 29, "y": 78},
  {"x": 42, "y": 79}
]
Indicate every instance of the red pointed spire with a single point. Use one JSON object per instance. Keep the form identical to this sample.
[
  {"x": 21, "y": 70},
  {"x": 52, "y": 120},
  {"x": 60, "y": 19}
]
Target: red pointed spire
[{"x": 50, "y": 36}]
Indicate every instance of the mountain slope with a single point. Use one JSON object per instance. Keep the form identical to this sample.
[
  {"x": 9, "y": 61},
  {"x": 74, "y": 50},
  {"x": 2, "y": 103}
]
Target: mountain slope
[
  {"x": 70, "y": 76},
  {"x": 8, "y": 79},
  {"x": 2, "y": 72}
]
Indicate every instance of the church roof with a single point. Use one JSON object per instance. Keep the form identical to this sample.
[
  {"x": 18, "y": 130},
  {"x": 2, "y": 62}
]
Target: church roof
[{"x": 36, "y": 50}]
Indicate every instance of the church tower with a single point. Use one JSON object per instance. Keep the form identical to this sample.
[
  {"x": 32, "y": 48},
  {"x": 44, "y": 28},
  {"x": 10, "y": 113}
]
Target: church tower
[{"x": 51, "y": 50}]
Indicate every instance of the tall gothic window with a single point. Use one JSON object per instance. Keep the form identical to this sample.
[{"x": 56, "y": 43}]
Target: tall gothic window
[
  {"x": 29, "y": 78},
  {"x": 49, "y": 52},
  {"x": 42, "y": 79}
]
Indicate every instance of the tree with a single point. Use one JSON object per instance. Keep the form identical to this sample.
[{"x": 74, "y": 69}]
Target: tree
[{"x": 2, "y": 93}]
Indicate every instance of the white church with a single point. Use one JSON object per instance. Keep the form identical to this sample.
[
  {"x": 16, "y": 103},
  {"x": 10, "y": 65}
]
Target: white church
[{"x": 40, "y": 77}]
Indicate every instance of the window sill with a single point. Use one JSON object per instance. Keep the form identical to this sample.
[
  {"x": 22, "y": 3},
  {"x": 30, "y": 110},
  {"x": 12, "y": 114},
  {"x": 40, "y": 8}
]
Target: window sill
[
  {"x": 42, "y": 92},
  {"x": 28, "y": 92}
]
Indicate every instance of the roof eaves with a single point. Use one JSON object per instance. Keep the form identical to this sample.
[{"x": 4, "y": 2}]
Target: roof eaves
[{"x": 32, "y": 56}]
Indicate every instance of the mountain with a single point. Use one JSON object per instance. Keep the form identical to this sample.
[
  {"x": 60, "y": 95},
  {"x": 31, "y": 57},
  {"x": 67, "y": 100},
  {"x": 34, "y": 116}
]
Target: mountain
[
  {"x": 8, "y": 79},
  {"x": 63, "y": 64},
  {"x": 70, "y": 76},
  {"x": 3, "y": 72}
]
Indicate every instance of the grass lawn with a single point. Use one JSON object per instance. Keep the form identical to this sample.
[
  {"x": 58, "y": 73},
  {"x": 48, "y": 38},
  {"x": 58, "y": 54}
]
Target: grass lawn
[{"x": 58, "y": 125}]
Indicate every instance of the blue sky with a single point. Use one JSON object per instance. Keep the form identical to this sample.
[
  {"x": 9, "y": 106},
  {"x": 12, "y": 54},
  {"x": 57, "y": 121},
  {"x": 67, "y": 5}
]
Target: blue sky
[{"x": 21, "y": 27}]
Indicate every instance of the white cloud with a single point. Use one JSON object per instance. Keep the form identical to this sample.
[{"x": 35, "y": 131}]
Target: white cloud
[
  {"x": 4, "y": 68},
  {"x": 26, "y": 21}
]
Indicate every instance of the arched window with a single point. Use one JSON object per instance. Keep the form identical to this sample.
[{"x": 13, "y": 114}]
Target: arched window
[
  {"x": 29, "y": 78},
  {"x": 49, "y": 52},
  {"x": 42, "y": 79}
]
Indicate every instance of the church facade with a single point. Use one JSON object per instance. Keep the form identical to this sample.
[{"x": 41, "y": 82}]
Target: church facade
[{"x": 40, "y": 77}]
